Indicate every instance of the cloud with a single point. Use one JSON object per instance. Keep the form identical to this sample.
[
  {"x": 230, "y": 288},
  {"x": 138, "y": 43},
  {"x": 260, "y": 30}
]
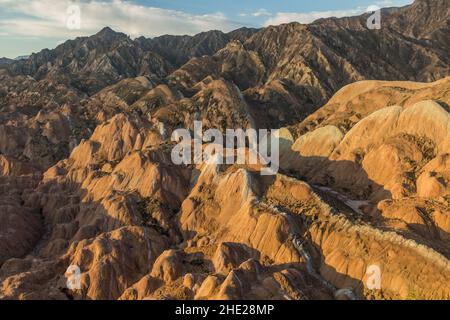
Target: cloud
[{"x": 48, "y": 19}]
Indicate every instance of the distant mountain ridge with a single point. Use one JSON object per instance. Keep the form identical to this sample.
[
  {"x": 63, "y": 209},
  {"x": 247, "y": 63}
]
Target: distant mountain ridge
[
  {"x": 4, "y": 61},
  {"x": 24, "y": 57},
  {"x": 320, "y": 57},
  {"x": 91, "y": 63}
]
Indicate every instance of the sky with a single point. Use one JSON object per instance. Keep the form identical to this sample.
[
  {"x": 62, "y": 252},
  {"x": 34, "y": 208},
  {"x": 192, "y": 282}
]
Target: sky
[{"x": 27, "y": 26}]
